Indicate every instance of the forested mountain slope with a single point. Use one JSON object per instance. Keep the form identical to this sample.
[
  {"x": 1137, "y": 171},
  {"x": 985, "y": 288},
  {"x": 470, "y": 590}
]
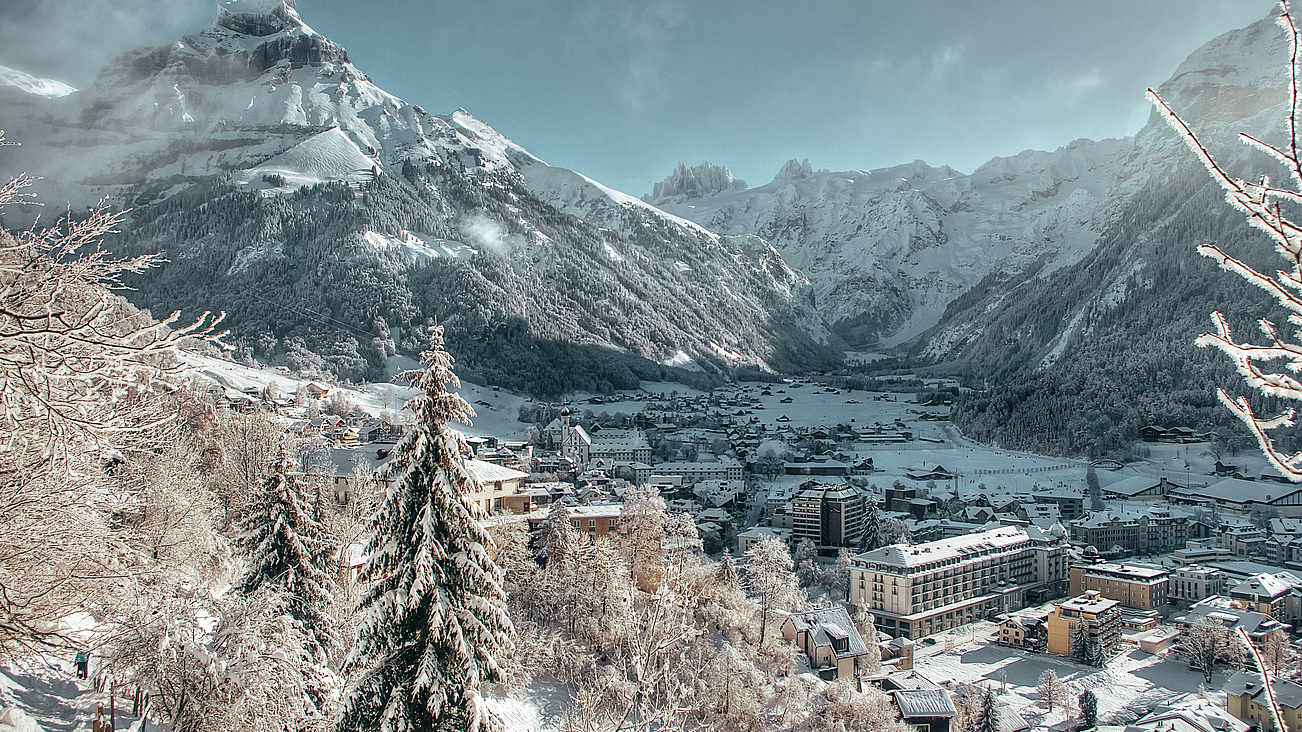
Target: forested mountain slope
[{"x": 1078, "y": 360}]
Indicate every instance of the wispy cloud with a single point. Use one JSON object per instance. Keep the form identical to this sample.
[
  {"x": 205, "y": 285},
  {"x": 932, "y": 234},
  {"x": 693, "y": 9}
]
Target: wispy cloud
[{"x": 645, "y": 31}]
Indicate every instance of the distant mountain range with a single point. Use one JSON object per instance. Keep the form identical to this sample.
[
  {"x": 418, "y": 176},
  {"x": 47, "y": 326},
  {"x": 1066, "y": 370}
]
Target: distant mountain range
[{"x": 334, "y": 220}]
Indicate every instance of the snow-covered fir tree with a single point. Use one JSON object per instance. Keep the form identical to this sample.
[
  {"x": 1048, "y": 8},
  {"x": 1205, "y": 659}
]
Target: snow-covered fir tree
[
  {"x": 872, "y": 527},
  {"x": 433, "y": 616},
  {"x": 726, "y": 575},
  {"x": 289, "y": 552}
]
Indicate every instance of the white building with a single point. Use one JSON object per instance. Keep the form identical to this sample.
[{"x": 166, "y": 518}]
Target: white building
[
  {"x": 725, "y": 468},
  {"x": 1195, "y": 583}
]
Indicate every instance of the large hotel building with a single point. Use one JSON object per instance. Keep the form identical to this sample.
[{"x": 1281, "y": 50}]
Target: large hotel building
[{"x": 915, "y": 591}]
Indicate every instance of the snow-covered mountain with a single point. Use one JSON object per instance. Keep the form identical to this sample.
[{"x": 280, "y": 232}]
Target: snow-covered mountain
[
  {"x": 333, "y": 219},
  {"x": 1081, "y": 358},
  {"x": 889, "y": 249}
]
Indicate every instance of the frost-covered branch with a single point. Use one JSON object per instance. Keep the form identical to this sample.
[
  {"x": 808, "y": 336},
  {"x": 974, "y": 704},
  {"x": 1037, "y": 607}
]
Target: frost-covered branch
[{"x": 1259, "y": 202}]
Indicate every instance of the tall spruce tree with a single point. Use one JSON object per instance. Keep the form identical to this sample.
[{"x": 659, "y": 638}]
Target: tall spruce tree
[
  {"x": 433, "y": 615},
  {"x": 1089, "y": 708},
  {"x": 989, "y": 719},
  {"x": 872, "y": 527},
  {"x": 288, "y": 551}
]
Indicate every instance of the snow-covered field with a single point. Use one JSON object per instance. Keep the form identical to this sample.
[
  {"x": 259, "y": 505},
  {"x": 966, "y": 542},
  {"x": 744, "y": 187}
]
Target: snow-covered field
[{"x": 1129, "y": 686}]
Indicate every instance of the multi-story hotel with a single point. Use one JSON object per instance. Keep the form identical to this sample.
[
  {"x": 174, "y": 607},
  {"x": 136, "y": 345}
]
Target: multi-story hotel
[
  {"x": 915, "y": 591},
  {"x": 1090, "y": 613}
]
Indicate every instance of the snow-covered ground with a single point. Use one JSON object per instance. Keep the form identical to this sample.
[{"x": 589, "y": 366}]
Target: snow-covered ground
[
  {"x": 496, "y": 411},
  {"x": 1129, "y": 686},
  {"x": 47, "y": 697},
  {"x": 536, "y": 708}
]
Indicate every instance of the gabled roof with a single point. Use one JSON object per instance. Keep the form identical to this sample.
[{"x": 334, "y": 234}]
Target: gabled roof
[
  {"x": 486, "y": 472},
  {"x": 1248, "y": 683},
  {"x": 1267, "y": 585},
  {"x": 831, "y": 623}
]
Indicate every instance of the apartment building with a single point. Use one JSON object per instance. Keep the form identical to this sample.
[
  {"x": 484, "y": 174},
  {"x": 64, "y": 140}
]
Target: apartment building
[
  {"x": 1132, "y": 532},
  {"x": 915, "y": 591},
  {"x": 1141, "y": 588},
  {"x": 725, "y": 468},
  {"x": 829, "y": 514},
  {"x": 1195, "y": 583},
  {"x": 1092, "y": 613}
]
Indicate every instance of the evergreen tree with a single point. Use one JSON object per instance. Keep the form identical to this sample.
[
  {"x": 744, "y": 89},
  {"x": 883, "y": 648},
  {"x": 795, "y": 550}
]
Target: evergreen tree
[
  {"x": 726, "y": 575},
  {"x": 288, "y": 551},
  {"x": 1089, "y": 708},
  {"x": 1095, "y": 490},
  {"x": 989, "y": 719},
  {"x": 433, "y": 615},
  {"x": 1085, "y": 648},
  {"x": 872, "y": 527}
]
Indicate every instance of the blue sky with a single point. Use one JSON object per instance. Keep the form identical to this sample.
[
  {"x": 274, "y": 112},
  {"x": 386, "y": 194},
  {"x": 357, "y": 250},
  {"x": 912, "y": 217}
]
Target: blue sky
[{"x": 621, "y": 91}]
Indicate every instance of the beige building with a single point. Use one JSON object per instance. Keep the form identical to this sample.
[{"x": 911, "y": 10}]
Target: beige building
[
  {"x": 1195, "y": 583},
  {"x": 1095, "y": 614},
  {"x": 498, "y": 486},
  {"x": 1142, "y": 588},
  {"x": 1245, "y": 698},
  {"x": 915, "y": 591}
]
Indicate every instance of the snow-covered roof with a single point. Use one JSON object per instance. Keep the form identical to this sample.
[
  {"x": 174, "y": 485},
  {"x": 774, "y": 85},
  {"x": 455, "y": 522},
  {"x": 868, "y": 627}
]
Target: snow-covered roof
[
  {"x": 486, "y": 472},
  {"x": 915, "y": 703},
  {"x": 1267, "y": 585},
  {"x": 831, "y": 623},
  {"x": 957, "y": 547}
]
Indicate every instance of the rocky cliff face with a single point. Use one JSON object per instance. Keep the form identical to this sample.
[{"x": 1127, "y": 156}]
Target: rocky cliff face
[{"x": 698, "y": 181}]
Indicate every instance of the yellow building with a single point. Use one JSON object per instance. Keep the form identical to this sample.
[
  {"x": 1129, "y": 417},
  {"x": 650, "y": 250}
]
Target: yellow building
[
  {"x": 1097, "y": 615},
  {"x": 1245, "y": 698},
  {"x": 497, "y": 484}
]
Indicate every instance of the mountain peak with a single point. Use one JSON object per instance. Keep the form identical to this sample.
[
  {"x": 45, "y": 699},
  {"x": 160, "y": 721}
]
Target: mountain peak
[
  {"x": 258, "y": 17},
  {"x": 690, "y": 183},
  {"x": 795, "y": 170}
]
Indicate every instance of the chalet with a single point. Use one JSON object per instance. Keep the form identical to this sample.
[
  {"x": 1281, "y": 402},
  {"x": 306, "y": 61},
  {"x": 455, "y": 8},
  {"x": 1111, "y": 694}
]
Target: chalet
[
  {"x": 1024, "y": 631},
  {"x": 316, "y": 391},
  {"x": 830, "y": 641},
  {"x": 1140, "y": 486},
  {"x": 940, "y": 472}
]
